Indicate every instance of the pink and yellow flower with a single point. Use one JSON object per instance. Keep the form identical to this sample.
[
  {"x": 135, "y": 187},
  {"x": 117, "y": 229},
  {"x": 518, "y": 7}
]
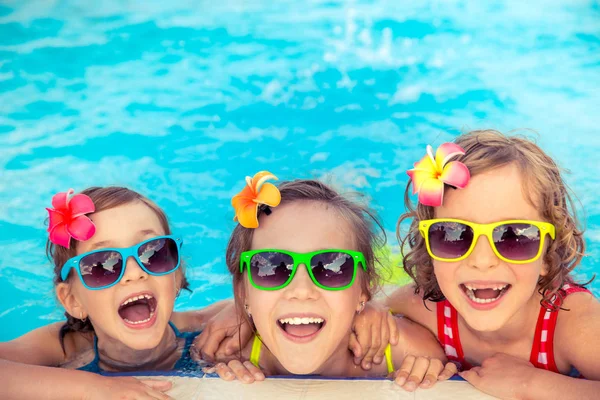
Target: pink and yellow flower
[
  {"x": 431, "y": 173},
  {"x": 256, "y": 192},
  {"x": 68, "y": 220}
]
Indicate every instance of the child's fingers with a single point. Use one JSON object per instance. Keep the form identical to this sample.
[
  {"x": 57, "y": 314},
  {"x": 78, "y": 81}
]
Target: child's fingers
[
  {"x": 404, "y": 370},
  {"x": 431, "y": 376},
  {"x": 391, "y": 322},
  {"x": 255, "y": 371},
  {"x": 449, "y": 370},
  {"x": 355, "y": 348},
  {"x": 384, "y": 341},
  {"x": 472, "y": 376},
  {"x": 224, "y": 371},
  {"x": 375, "y": 337},
  {"x": 363, "y": 335},
  {"x": 240, "y": 371},
  {"x": 416, "y": 374}
]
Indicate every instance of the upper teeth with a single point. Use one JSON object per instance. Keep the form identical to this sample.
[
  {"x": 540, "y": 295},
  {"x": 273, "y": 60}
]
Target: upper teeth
[
  {"x": 299, "y": 321},
  {"x": 492, "y": 287},
  {"x": 135, "y": 298}
]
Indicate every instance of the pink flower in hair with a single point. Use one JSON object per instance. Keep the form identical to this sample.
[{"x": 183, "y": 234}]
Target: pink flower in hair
[
  {"x": 431, "y": 173},
  {"x": 68, "y": 220}
]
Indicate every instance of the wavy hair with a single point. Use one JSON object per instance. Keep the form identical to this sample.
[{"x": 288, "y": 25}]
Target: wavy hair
[{"x": 542, "y": 181}]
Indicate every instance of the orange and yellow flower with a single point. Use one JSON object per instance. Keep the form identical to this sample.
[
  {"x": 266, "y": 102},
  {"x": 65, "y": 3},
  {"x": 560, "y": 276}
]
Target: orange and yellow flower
[
  {"x": 256, "y": 192},
  {"x": 431, "y": 173}
]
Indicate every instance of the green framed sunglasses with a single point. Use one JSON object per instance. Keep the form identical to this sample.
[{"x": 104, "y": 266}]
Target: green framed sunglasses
[{"x": 272, "y": 269}]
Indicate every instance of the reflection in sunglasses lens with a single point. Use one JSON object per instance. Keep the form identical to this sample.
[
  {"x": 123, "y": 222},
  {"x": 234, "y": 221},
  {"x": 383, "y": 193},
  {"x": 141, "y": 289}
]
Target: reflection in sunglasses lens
[
  {"x": 271, "y": 269},
  {"x": 517, "y": 242},
  {"x": 101, "y": 269},
  {"x": 333, "y": 269}
]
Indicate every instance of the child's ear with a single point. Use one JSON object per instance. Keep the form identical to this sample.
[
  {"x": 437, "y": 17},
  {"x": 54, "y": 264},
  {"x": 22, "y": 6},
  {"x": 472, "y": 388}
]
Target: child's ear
[
  {"x": 69, "y": 301},
  {"x": 362, "y": 300}
]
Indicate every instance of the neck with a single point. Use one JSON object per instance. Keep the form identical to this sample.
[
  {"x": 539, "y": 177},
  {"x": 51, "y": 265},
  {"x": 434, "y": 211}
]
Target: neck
[
  {"x": 115, "y": 356},
  {"x": 518, "y": 327}
]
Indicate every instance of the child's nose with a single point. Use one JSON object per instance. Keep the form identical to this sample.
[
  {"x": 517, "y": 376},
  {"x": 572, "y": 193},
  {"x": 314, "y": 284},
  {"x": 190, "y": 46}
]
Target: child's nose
[
  {"x": 483, "y": 256},
  {"x": 133, "y": 271},
  {"x": 302, "y": 287}
]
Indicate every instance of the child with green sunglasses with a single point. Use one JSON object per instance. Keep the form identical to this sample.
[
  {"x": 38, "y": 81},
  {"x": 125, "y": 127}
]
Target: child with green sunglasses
[
  {"x": 117, "y": 272},
  {"x": 491, "y": 247},
  {"x": 301, "y": 278}
]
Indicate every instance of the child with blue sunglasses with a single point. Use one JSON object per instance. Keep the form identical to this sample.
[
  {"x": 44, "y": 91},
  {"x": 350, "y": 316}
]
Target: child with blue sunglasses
[{"x": 118, "y": 272}]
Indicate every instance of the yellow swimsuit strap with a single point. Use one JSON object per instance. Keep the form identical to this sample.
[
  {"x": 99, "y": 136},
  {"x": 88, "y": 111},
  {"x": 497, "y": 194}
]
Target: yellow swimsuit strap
[
  {"x": 257, "y": 344},
  {"x": 388, "y": 359},
  {"x": 255, "y": 353}
]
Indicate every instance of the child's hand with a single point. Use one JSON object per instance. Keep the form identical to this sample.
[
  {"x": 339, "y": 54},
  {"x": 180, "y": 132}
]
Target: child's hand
[
  {"x": 501, "y": 376},
  {"x": 422, "y": 372},
  {"x": 128, "y": 388},
  {"x": 373, "y": 329},
  {"x": 243, "y": 371},
  {"x": 222, "y": 336}
]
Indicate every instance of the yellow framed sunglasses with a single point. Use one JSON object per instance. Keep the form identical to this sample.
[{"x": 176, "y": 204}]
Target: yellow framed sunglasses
[{"x": 514, "y": 241}]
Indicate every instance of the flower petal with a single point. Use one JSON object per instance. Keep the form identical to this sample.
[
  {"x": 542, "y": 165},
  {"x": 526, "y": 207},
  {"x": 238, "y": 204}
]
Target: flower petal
[
  {"x": 431, "y": 192},
  {"x": 60, "y": 201},
  {"x": 60, "y": 236},
  {"x": 260, "y": 178},
  {"x": 456, "y": 174},
  {"x": 246, "y": 215},
  {"x": 269, "y": 195},
  {"x": 81, "y": 204},
  {"x": 81, "y": 228},
  {"x": 445, "y": 152},
  {"x": 55, "y": 218},
  {"x": 419, "y": 176},
  {"x": 242, "y": 198}
]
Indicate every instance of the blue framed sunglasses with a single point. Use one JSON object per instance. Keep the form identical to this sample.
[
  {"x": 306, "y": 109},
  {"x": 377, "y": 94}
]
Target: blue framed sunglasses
[{"x": 103, "y": 268}]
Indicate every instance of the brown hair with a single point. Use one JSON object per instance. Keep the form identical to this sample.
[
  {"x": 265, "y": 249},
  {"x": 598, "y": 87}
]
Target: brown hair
[
  {"x": 362, "y": 220},
  {"x": 486, "y": 150},
  {"x": 104, "y": 198}
]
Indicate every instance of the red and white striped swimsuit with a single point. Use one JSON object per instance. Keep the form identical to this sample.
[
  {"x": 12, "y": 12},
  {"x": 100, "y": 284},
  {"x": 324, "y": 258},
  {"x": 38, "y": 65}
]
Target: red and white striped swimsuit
[{"x": 542, "y": 351}]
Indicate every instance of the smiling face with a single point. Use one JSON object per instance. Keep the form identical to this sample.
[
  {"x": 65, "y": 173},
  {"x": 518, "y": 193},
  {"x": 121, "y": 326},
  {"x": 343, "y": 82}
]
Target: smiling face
[
  {"x": 486, "y": 291},
  {"x": 302, "y": 324},
  {"x": 136, "y": 310}
]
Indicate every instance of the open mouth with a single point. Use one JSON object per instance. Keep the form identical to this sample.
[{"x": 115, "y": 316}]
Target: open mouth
[
  {"x": 139, "y": 309},
  {"x": 484, "y": 295},
  {"x": 301, "y": 327}
]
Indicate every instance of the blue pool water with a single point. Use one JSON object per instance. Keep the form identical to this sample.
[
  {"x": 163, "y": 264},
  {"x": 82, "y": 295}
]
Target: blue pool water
[{"x": 181, "y": 100}]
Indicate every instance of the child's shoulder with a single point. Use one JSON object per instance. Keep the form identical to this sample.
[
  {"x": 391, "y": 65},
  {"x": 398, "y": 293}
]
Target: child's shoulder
[
  {"x": 42, "y": 346},
  {"x": 188, "y": 321},
  {"x": 579, "y": 310},
  {"x": 415, "y": 339},
  {"x": 406, "y": 302}
]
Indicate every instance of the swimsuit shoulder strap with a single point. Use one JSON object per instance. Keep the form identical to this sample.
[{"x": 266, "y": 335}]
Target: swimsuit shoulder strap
[
  {"x": 447, "y": 319},
  {"x": 388, "y": 359},
  {"x": 255, "y": 353},
  {"x": 94, "y": 365},
  {"x": 542, "y": 351}
]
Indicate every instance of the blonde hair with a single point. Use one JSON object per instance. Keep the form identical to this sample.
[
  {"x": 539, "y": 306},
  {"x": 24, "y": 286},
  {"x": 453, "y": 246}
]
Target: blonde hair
[{"x": 542, "y": 180}]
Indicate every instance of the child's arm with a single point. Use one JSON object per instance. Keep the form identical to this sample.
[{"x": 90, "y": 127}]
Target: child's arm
[
  {"x": 236, "y": 369},
  {"x": 371, "y": 338},
  {"x": 576, "y": 340},
  {"x": 26, "y": 371},
  {"x": 223, "y": 330},
  {"x": 423, "y": 361}
]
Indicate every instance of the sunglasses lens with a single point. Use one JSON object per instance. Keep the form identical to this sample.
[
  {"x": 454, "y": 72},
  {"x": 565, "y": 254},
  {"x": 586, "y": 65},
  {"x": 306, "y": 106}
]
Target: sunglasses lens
[
  {"x": 271, "y": 269},
  {"x": 159, "y": 256},
  {"x": 450, "y": 239},
  {"x": 517, "y": 242},
  {"x": 101, "y": 269},
  {"x": 333, "y": 270}
]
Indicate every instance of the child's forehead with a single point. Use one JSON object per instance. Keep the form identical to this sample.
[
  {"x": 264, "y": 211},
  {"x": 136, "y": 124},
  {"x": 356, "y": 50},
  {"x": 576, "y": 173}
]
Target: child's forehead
[
  {"x": 494, "y": 195},
  {"x": 303, "y": 226}
]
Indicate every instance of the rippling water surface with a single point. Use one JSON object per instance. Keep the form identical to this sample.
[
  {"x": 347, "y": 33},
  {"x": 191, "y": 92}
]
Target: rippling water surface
[{"x": 182, "y": 99}]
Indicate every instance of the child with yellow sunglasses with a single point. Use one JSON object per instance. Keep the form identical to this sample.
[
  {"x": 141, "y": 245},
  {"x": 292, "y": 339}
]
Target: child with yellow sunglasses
[{"x": 491, "y": 247}]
